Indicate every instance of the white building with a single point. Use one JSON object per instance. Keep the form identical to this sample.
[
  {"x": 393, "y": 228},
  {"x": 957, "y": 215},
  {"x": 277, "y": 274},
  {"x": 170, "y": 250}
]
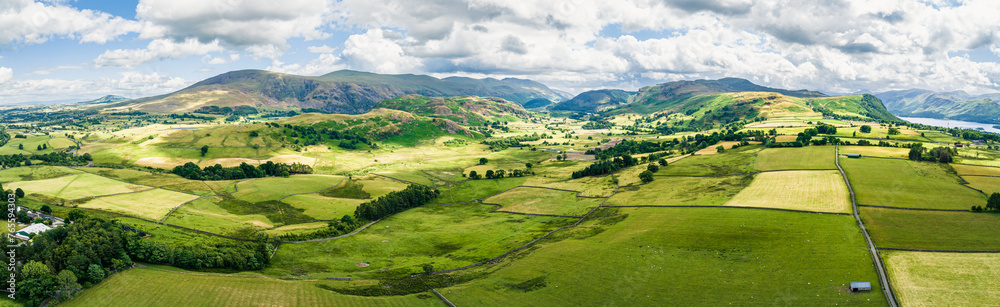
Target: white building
[{"x": 31, "y": 229}]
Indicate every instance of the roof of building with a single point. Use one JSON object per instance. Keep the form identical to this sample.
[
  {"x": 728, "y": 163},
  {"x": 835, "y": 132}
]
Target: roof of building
[
  {"x": 861, "y": 284},
  {"x": 35, "y": 228}
]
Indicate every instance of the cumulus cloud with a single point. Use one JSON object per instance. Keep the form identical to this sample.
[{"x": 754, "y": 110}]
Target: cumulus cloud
[
  {"x": 379, "y": 51},
  {"x": 321, "y": 49},
  {"x": 30, "y": 22},
  {"x": 323, "y": 64},
  {"x": 6, "y": 74},
  {"x": 157, "y": 49},
  {"x": 128, "y": 84}
]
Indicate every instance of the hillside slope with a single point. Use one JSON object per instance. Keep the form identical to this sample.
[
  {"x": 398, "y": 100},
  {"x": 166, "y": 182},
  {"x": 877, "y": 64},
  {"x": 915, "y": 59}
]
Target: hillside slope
[
  {"x": 468, "y": 110},
  {"x": 594, "y": 101},
  {"x": 943, "y": 105},
  {"x": 349, "y": 92}
]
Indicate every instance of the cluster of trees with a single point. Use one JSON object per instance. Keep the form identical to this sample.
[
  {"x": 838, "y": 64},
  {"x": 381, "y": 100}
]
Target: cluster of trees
[
  {"x": 598, "y": 124},
  {"x": 938, "y": 154},
  {"x": 513, "y": 141},
  {"x": 235, "y": 255},
  {"x": 309, "y": 135},
  {"x": 498, "y": 174},
  {"x": 992, "y": 204},
  {"x": 629, "y": 147},
  {"x": 238, "y": 111},
  {"x": 53, "y": 158},
  {"x": 413, "y": 196},
  {"x": 189, "y": 116},
  {"x": 217, "y": 172},
  {"x": 4, "y": 137},
  {"x": 334, "y": 228},
  {"x": 607, "y": 166}
]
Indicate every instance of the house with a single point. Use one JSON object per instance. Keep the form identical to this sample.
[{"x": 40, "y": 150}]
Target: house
[
  {"x": 24, "y": 233},
  {"x": 959, "y": 145},
  {"x": 861, "y": 286},
  {"x": 854, "y": 156}
]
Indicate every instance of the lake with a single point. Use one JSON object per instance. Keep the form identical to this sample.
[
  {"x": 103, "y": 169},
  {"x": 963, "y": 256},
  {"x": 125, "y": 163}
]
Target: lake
[{"x": 950, "y": 123}]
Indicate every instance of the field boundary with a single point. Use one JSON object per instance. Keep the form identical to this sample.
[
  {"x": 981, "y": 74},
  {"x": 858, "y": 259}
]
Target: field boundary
[
  {"x": 890, "y": 297},
  {"x": 356, "y": 231},
  {"x": 940, "y": 250},
  {"x": 917, "y": 209},
  {"x": 236, "y": 188},
  {"x": 440, "y": 296},
  {"x": 737, "y": 207}
]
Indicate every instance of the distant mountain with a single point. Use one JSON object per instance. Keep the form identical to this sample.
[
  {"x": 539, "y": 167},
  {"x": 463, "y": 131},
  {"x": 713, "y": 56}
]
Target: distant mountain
[
  {"x": 344, "y": 91},
  {"x": 467, "y": 110},
  {"x": 956, "y": 105},
  {"x": 594, "y": 101},
  {"x": 681, "y": 89},
  {"x": 537, "y": 103},
  {"x": 105, "y": 99}
]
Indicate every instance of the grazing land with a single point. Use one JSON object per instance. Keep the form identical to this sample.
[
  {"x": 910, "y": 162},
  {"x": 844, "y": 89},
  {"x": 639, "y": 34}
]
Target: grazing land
[
  {"x": 811, "y": 157},
  {"x": 76, "y": 186},
  {"x": 736, "y": 161},
  {"x": 274, "y": 188},
  {"x": 938, "y": 279},
  {"x": 932, "y": 229},
  {"x": 909, "y": 184},
  {"x": 822, "y": 191},
  {"x": 873, "y": 151},
  {"x": 682, "y": 191},
  {"x": 746, "y": 255},
  {"x": 152, "y": 204},
  {"x": 543, "y": 201}
]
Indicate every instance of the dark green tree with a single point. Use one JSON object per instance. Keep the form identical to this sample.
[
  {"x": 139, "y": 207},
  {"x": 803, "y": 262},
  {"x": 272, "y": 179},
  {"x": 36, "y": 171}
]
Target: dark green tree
[
  {"x": 916, "y": 152},
  {"x": 993, "y": 203},
  {"x": 652, "y": 167},
  {"x": 866, "y": 129},
  {"x": 19, "y": 193},
  {"x": 483, "y": 161},
  {"x": 646, "y": 176},
  {"x": 474, "y": 175},
  {"x": 95, "y": 273},
  {"x": 428, "y": 268},
  {"x": 204, "y": 150},
  {"x": 45, "y": 209},
  {"x": 20, "y": 146}
]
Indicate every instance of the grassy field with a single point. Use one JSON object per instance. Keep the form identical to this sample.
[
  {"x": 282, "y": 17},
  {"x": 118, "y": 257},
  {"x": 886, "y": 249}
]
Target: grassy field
[
  {"x": 74, "y": 186},
  {"x": 733, "y": 161},
  {"x": 932, "y": 229},
  {"x": 988, "y": 185},
  {"x": 166, "y": 181},
  {"x": 147, "y": 287},
  {"x": 274, "y": 188},
  {"x": 822, "y": 191},
  {"x": 812, "y": 157},
  {"x": 941, "y": 279},
  {"x": 963, "y": 169},
  {"x": 324, "y": 208},
  {"x": 153, "y": 204},
  {"x": 205, "y": 214},
  {"x": 34, "y": 173},
  {"x": 875, "y": 151},
  {"x": 543, "y": 201},
  {"x": 684, "y": 257},
  {"x": 910, "y": 184},
  {"x": 682, "y": 191},
  {"x": 446, "y": 237},
  {"x": 476, "y": 189}
]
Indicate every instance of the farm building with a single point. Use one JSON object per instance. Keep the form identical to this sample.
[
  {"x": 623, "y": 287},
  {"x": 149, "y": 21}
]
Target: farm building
[
  {"x": 861, "y": 286},
  {"x": 854, "y": 156},
  {"x": 32, "y": 229}
]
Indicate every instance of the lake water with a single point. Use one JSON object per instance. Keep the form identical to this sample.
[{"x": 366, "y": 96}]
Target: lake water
[{"x": 951, "y": 123}]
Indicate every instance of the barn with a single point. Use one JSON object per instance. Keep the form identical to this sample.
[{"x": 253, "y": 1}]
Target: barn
[
  {"x": 857, "y": 286},
  {"x": 854, "y": 156}
]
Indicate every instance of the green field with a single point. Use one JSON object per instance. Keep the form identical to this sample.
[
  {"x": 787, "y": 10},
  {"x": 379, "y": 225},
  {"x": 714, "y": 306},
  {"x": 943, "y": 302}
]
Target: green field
[
  {"x": 166, "y": 181},
  {"x": 274, "y": 188},
  {"x": 682, "y": 191},
  {"x": 74, "y": 186},
  {"x": 34, "y": 173},
  {"x": 932, "y": 229},
  {"x": 476, "y": 189},
  {"x": 707, "y": 256},
  {"x": 147, "y": 287},
  {"x": 822, "y": 191},
  {"x": 324, "y": 208},
  {"x": 812, "y": 157},
  {"x": 875, "y": 151},
  {"x": 942, "y": 279},
  {"x": 543, "y": 201},
  {"x": 963, "y": 170},
  {"x": 988, "y": 185},
  {"x": 909, "y": 184},
  {"x": 153, "y": 204},
  {"x": 205, "y": 214},
  {"x": 735, "y": 161},
  {"x": 446, "y": 237}
]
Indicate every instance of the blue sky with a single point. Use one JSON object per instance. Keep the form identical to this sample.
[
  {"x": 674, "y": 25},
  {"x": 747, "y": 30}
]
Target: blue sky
[{"x": 64, "y": 49}]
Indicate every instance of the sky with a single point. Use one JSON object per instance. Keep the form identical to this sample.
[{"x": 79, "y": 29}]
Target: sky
[{"x": 84, "y": 49}]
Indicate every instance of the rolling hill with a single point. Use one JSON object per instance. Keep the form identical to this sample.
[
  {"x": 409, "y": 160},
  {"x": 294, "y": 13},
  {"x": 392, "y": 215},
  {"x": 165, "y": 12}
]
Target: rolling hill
[
  {"x": 943, "y": 105},
  {"x": 345, "y": 91},
  {"x": 594, "y": 101},
  {"x": 467, "y": 110},
  {"x": 105, "y": 99}
]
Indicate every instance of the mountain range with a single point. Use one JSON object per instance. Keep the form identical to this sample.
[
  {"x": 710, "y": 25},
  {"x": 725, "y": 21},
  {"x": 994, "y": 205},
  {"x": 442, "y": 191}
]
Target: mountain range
[{"x": 956, "y": 105}]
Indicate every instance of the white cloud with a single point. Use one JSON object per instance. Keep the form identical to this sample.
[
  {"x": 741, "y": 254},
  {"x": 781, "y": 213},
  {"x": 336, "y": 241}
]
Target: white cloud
[
  {"x": 30, "y": 22},
  {"x": 157, "y": 49},
  {"x": 321, "y": 49},
  {"x": 323, "y": 64},
  {"x": 129, "y": 84},
  {"x": 379, "y": 51},
  {"x": 6, "y": 74}
]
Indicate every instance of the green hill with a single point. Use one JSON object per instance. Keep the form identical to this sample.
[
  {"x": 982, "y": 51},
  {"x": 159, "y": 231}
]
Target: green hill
[
  {"x": 345, "y": 91},
  {"x": 594, "y": 101},
  {"x": 105, "y": 99},
  {"x": 468, "y": 110},
  {"x": 948, "y": 105},
  {"x": 385, "y": 126}
]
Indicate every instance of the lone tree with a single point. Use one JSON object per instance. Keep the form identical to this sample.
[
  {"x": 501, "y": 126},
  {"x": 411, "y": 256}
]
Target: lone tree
[
  {"x": 993, "y": 203},
  {"x": 204, "y": 150},
  {"x": 663, "y": 162},
  {"x": 483, "y": 161},
  {"x": 428, "y": 268},
  {"x": 720, "y": 148},
  {"x": 19, "y": 193},
  {"x": 866, "y": 129},
  {"x": 646, "y": 176},
  {"x": 653, "y": 167},
  {"x": 20, "y": 146},
  {"x": 528, "y": 165},
  {"x": 46, "y": 209}
]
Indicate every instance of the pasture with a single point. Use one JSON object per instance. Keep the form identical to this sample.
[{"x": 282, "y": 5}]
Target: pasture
[
  {"x": 205, "y": 214},
  {"x": 681, "y": 191},
  {"x": 274, "y": 188},
  {"x": 75, "y": 186},
  {"x": 811, "y": 157},
  {"x": 166, "y": 181},
  {"x": 733, "y": 161},
  {"x": 543, "y": 201},
  {"x": 941, "y": 279},
  {"x": 965, "y": 169},
  {"x": 908, "y": 184},
  {"x": 324, "y": 208},
  {"x": 988, "y": 185},
  {"x": 876, "y": 151},
  {"x": 152, "y": 204},
  {"x": 932, "y": 229},
  {"x": 446, "y": 237},
  {"x": 822, "y": 191},
  {"x": 35, "y": 173},
  {"x": 476, "y": 189},
  {"x": 707, "y": 256},
  {"x": 149, "y": 287}
]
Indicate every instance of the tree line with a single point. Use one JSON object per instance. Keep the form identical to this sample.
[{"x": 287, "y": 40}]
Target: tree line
[
  {"x": 397, "y": 201},
  {"x": 217, "y": 172},
  {"x": 52, "y": 158},
  {"x": 513, "y": 141},
  {"x": 607, "y": 166}
]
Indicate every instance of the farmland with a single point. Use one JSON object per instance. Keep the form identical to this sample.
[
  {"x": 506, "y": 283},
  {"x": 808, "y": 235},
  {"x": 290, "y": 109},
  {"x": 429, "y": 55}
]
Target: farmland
[
  {"x": 937, "y": 279},
  {"x": 812, "y": 157},
  {"x": 909, "y": 184},
  {"x": 932, "y": 230},
  {"x": 822, "y": 191},
  {"x": 543, "y": 201}
]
